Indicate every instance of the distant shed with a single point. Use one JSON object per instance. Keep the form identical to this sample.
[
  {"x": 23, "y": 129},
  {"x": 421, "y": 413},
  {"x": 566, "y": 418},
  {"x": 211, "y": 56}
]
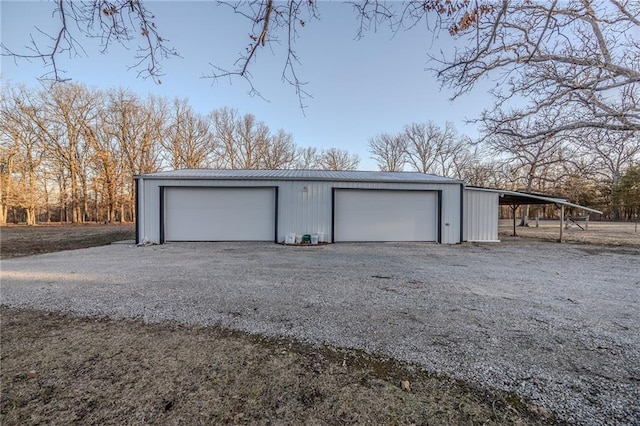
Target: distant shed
[{"x": 267, "y": 205}]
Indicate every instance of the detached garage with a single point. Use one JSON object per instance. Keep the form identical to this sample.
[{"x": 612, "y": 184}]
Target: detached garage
[{"x": 267, "y": 205}]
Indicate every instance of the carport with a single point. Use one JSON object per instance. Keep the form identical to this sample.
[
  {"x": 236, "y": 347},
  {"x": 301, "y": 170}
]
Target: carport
[{"x": 515, "y": 199}]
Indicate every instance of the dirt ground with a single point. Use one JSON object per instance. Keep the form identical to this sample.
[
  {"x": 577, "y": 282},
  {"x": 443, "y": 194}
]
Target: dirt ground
[
  {"x": 20, "y": 240},
  {"x": 596, "y": 232},
  {"x": 60, "y": 369}
]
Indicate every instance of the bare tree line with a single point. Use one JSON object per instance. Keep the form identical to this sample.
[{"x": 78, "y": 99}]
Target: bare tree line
[
  {"x": 69, "y": 154},
  {"x": 425, "y": 148},
  {"x": 564, "y": 115},
  {"x": 585, "y": 165}
]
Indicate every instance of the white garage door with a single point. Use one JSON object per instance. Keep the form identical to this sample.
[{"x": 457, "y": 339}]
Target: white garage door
[
  {"x": 219, "y": 214},
  {"x": 377, "y": 215}
]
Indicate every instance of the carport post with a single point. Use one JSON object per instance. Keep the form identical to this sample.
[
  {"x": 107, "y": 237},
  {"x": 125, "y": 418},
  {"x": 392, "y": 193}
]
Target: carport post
[
  {"x": 561, "y": 221},
  {"x": 514, "y": 207}
]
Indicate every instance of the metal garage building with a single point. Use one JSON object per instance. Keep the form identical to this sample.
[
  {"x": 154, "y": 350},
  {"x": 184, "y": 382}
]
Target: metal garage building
[{"x": 267, "y": 205}]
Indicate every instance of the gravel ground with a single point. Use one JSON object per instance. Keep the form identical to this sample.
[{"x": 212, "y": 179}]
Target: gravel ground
[{"x": 557, "y": 324}]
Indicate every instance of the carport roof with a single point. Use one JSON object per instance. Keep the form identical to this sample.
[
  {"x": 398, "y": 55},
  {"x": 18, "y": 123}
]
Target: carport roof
[
  {"x": 307, "y": 175},
  {"x": 516, "y": 198}
]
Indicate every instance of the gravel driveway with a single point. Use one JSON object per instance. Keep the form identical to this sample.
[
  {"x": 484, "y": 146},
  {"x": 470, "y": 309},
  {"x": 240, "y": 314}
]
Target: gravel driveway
[{"x": 558, "y": 324}]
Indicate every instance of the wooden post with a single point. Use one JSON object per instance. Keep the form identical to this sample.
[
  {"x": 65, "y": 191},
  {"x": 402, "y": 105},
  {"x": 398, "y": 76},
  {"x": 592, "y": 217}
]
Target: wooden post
[
  {"x": 586, "y": 223},
  {"x": 561, "y": 221},
  {"x": 538, "y": 220},
  {"x": 514, "y": 207}
]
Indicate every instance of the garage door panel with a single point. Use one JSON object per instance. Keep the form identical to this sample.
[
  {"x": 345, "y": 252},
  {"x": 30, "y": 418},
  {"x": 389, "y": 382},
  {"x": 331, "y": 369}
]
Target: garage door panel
[
  {"x": 370, "y": 215},
  {"x": 219, "y": 214}
]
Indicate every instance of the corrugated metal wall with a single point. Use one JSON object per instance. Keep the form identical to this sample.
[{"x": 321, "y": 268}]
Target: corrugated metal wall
[
  {"x": 304, "y": 207},
  {"x": 480, "y": 215}
]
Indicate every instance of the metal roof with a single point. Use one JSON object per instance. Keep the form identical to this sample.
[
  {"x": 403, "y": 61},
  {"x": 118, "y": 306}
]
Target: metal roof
[
  {"x": 517, "y": 198},
  {"x": 330, "y": 175}
]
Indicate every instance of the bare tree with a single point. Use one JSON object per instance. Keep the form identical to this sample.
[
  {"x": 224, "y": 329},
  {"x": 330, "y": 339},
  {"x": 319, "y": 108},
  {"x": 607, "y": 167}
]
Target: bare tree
[
  {"x": 483, "y": 173},
  {"x": 580, "y": 54},
  {"x": 62, "y": 114},
  {"x": 243, "y": 142},
  {"x": 337, "y": 159},
  {"x": 252, "y": 136},
  {"x": 142, "y": 153},
  {"x": 307, "y": 158},
  {"x": 436, "y": 150},
  {"x": 138, "y": 128},
  {"x": 107, "y": 167},
  {"x": 613, "y": 152},
  {"x": 463, "y": 155},
  {"x": 279, "y": 152},
  {"x": 627, "y": 194},
  {"x": 224, "y": 130},
  {"x": 422, "y": 144},
  {"x": 189, "y": 142},
  {"x": 116, "y": 21},
  {"x": 528, "y": 157},
  {"x": 8, "y": 153},
  {"x": 389, "y": 151},
  {"x": 273, "y": 25},
  {"x": 22, "y": 152},
  {"x": 604, "y": 156},
  {"x": 83, "y": 147}
]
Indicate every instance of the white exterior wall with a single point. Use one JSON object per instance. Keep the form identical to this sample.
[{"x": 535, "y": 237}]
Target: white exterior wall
[
  {"x": 480, "y": 215},
  {"x": 300, "y": 211}
]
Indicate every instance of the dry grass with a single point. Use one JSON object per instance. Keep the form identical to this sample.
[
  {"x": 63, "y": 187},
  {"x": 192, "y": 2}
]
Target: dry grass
[
  {"x": 602, "y": 233},
  {"x": 20, "y": 240},
  {"x": 99, "y": 371}
]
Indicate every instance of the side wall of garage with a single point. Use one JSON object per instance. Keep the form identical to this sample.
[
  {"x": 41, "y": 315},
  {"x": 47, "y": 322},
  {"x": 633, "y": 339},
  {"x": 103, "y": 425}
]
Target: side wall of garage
[
  {"x": 303, "y": 207},
  {"x": 480, "y": 215}
]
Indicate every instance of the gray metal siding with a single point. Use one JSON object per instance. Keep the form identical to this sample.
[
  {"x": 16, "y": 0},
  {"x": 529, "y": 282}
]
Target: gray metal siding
[
  {"x": 300, "y": 211},
  {"x": 480, "y": 215}
]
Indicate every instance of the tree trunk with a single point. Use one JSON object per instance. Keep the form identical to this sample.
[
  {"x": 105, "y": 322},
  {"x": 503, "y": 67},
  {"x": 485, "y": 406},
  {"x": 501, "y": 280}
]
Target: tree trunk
[
  {"x": 5, "y": 191},
  {"x": 84, "y": 206},
  {"x": 31, "y": 216},
  {"x": 62, "y": 187},
  {"x": 3, "y": 214},
  {"x": 31, "y": 197},
  {"x": 524, "y": 219},
  {"x": 615, "y": 196},
  {"x": 525, "y": 207},
  {"x": 75, "y": 205}
]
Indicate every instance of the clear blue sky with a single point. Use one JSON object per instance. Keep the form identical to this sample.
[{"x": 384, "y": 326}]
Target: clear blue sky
[{"x": 360, "y": 87}]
